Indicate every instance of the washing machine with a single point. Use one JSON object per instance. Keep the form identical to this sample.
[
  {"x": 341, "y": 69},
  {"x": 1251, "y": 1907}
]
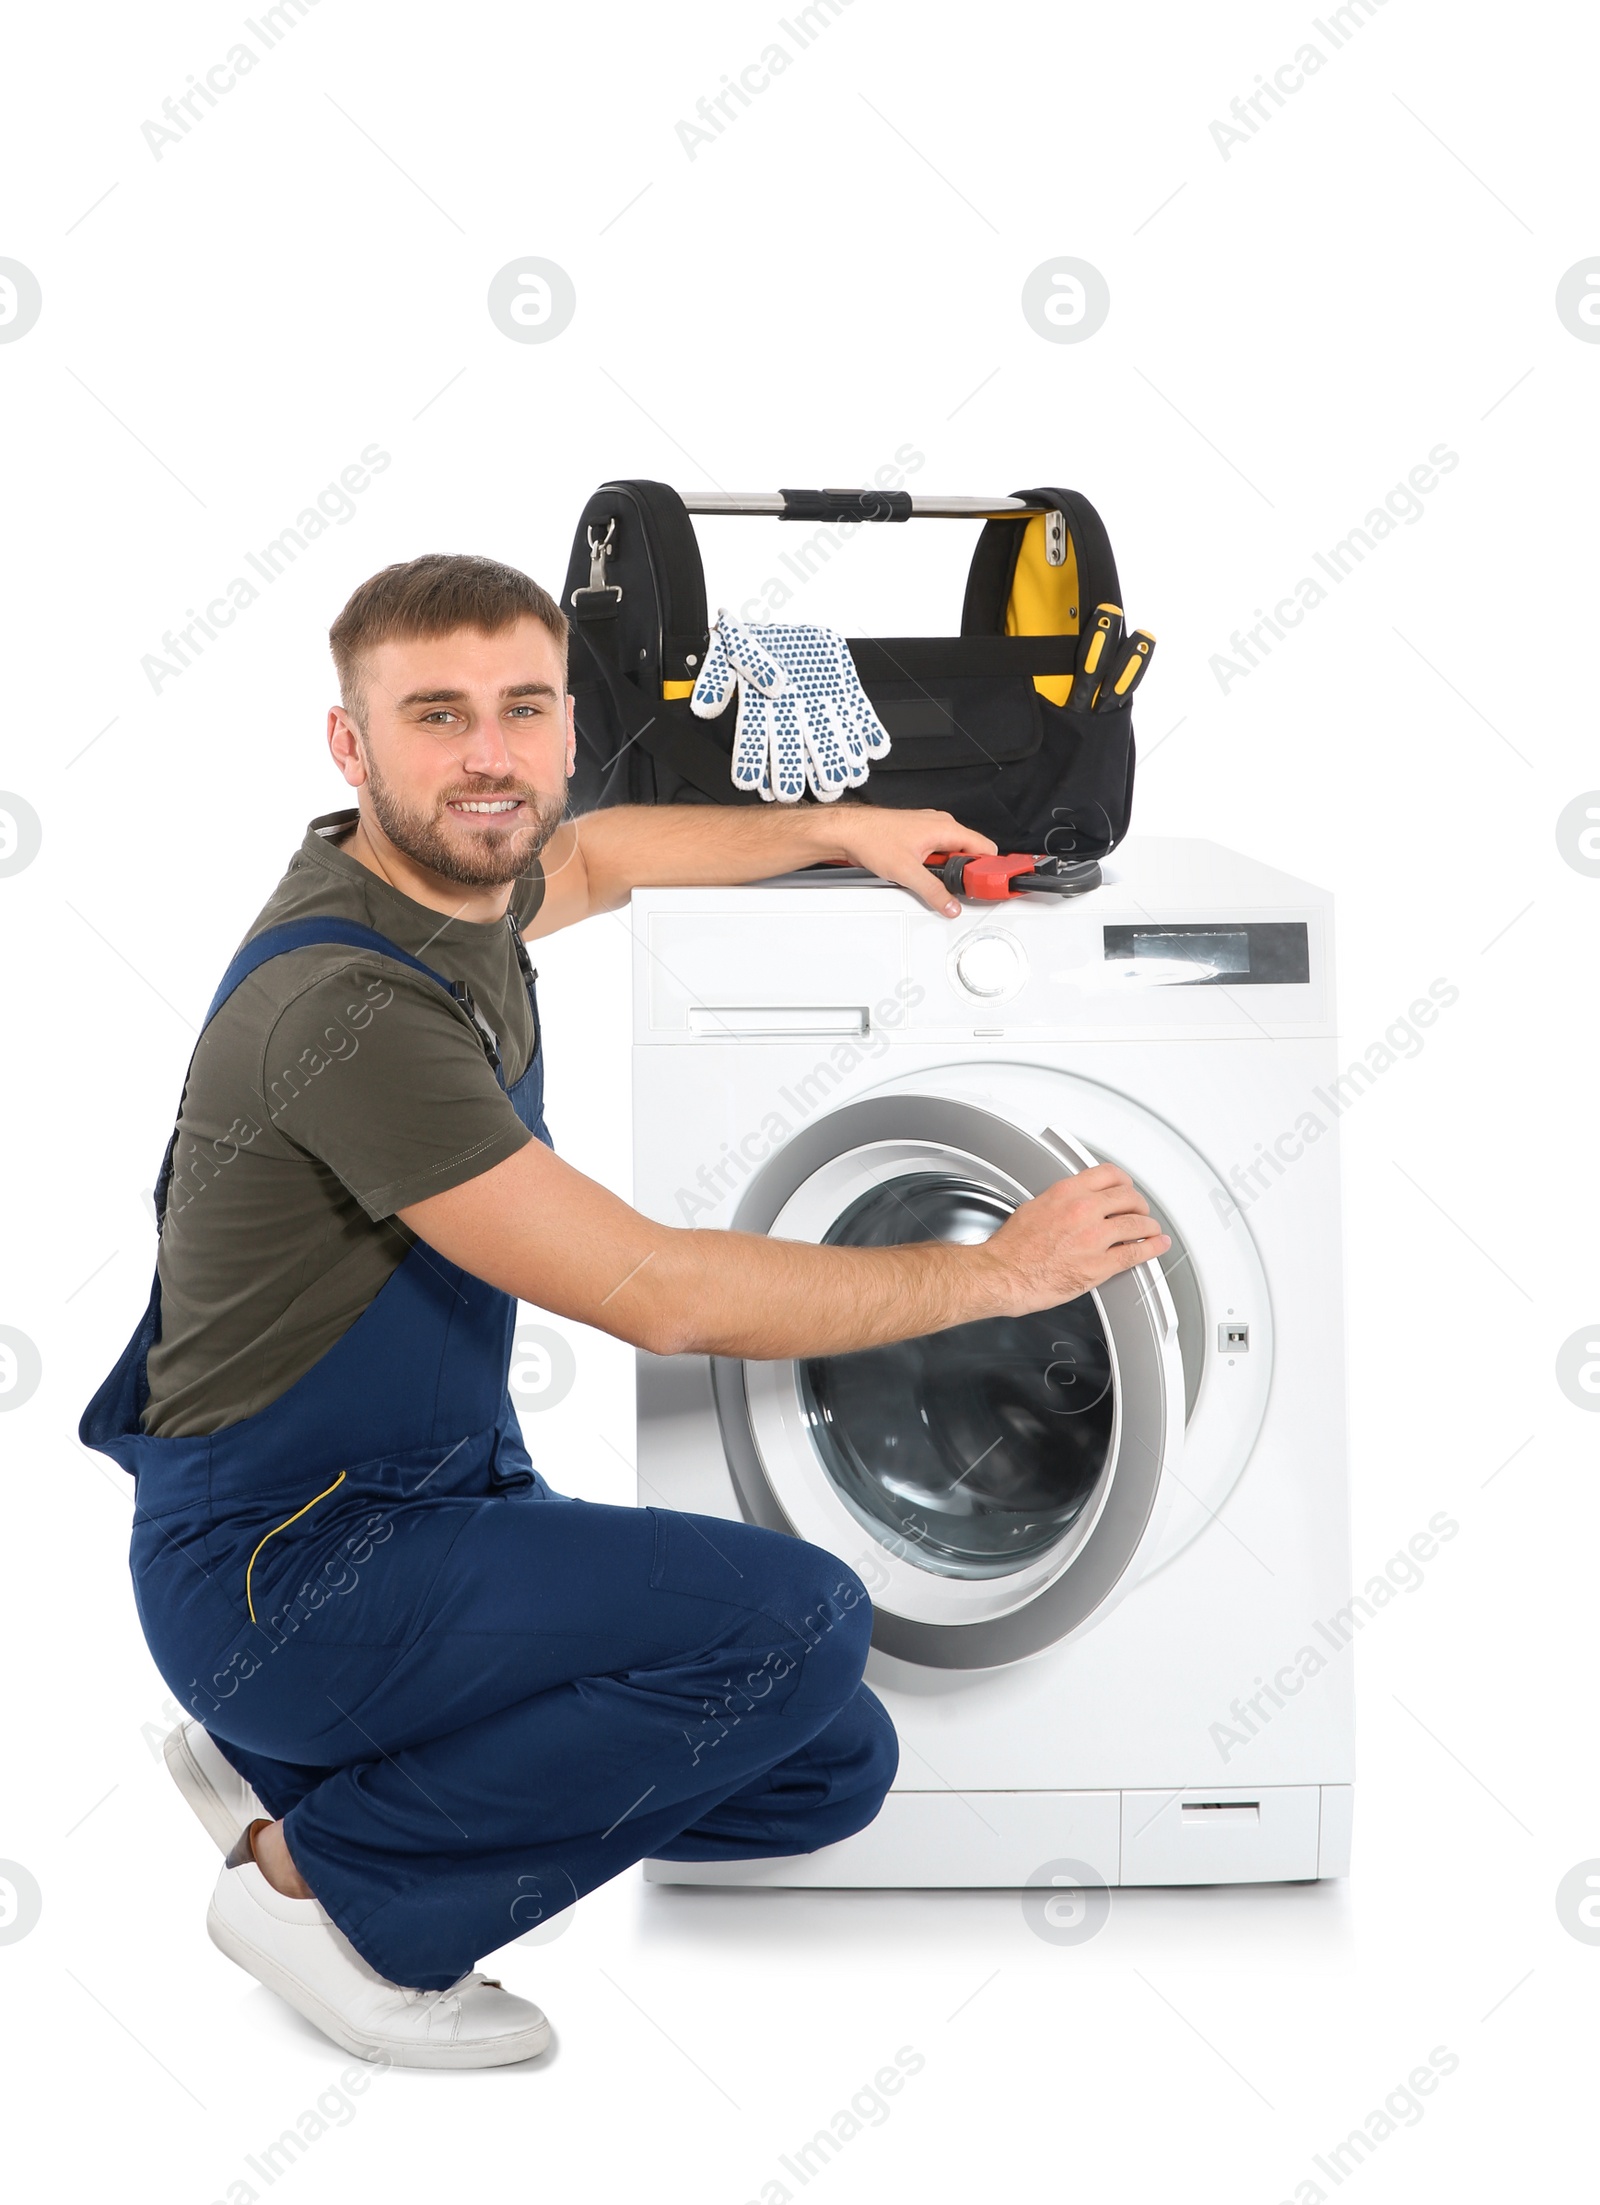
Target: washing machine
[{"x": 1107, "y": 1546}]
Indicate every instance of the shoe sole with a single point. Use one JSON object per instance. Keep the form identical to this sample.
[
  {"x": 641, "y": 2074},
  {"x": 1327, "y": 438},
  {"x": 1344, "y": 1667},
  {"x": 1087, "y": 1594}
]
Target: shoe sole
[{"x": 504, "y": 2051}]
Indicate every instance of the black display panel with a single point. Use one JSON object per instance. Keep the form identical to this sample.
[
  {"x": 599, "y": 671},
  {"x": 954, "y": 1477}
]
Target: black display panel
[{"x": 1254, "y": 953}]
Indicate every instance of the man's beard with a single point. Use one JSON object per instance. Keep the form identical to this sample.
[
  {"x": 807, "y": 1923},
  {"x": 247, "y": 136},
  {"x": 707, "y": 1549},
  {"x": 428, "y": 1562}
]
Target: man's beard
[{"x": 482, "y": 858}]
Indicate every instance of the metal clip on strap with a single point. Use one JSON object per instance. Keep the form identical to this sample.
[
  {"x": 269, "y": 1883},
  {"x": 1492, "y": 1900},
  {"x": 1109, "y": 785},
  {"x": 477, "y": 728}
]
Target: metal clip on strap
[
  {"x": 601, "y": 599},
  {"x": 486, "y": 1033}
]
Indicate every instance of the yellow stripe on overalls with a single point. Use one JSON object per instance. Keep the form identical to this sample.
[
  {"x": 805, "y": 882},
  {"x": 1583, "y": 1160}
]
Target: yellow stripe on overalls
[{"x": 273, "y": 1533}]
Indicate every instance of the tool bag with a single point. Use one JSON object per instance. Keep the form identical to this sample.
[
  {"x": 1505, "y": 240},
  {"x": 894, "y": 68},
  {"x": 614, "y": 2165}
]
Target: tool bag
[{"x": 978, "y": 722}]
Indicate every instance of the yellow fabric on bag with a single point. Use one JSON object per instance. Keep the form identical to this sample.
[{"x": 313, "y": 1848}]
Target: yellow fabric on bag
[{"x": 1044, "y": 601}]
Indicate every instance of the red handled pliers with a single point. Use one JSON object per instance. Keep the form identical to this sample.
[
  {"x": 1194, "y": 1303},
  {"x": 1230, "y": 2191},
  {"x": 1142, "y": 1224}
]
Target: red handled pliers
[{"x": 994, "y": 879}]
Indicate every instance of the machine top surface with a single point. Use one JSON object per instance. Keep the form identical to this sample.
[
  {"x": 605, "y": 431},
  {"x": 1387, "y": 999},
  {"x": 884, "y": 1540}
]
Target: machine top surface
[
  {"x": 1182, "y": 938},
  {"x": 1144, "y": 868}
]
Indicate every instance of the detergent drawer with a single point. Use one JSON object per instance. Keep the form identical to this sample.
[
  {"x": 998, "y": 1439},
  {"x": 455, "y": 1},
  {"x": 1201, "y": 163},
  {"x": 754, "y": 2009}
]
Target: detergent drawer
[
  {"x": 699, "y": 963},
  {"x": 1268, "y": 1834}
]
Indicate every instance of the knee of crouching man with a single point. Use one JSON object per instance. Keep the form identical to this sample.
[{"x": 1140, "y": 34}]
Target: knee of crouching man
[
  {"x": 854, "y": 1602},
  {"x": 881, "y": 1746},
  {"x": 863, "y": 1756},
  {"x": 835, "y": 1627}
]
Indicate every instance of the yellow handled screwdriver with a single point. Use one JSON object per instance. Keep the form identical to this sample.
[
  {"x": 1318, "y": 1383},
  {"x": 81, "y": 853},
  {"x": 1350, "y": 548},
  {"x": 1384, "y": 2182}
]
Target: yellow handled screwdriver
[
  {"x": 1129, "y": 670},
  {"x": 1096, "y": 648}
]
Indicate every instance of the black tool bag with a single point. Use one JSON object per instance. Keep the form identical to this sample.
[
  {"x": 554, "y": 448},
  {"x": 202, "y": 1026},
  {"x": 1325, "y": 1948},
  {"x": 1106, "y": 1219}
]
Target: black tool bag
[{"x": 979, "y": 721}]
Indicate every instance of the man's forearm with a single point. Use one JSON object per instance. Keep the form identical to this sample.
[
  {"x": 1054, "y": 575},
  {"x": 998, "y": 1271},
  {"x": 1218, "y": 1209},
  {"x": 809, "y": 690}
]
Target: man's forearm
[
  {"x": 536, "y": 1228},
  {"x": 630, "y": 846},
  {"x": 740, "y": 1294}
]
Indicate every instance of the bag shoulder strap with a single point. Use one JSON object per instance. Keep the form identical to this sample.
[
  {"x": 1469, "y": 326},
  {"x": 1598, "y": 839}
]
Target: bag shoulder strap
[
  {"x": 668, "y": 735},
  {"x": 994, "y": 561},
  {"x": 638, "y": 588}
]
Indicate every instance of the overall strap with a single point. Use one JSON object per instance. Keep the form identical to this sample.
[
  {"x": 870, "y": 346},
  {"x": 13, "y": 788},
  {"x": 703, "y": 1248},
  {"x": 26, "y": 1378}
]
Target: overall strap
[
  {"x": 278, "y": 941},
  {"x": 315, "y": 933}
]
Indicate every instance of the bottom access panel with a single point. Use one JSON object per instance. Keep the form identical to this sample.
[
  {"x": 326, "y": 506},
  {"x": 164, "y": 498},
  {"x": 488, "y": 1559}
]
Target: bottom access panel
[{"x": 969, "y": 1840}]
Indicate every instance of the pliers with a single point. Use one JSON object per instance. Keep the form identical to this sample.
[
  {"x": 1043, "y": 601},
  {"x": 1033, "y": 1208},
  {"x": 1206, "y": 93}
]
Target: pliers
[{"x": 994, "y": 879}]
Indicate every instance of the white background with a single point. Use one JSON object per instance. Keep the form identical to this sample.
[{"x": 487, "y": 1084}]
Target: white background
[{"x": 1292, "y": 329}]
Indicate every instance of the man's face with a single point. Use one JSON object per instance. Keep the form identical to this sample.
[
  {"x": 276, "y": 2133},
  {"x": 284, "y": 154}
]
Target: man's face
[{"x": 465, "y": 750}]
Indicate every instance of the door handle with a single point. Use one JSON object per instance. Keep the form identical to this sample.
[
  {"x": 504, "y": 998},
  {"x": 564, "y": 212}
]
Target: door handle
[{"x": 1152, "y": 1285}]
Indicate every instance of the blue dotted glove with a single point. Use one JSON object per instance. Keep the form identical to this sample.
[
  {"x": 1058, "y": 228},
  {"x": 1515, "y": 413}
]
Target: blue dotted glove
[{"x": 803, "y": 714}]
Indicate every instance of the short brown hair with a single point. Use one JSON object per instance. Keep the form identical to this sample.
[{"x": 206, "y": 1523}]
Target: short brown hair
[{"x": 432, "y": 596}]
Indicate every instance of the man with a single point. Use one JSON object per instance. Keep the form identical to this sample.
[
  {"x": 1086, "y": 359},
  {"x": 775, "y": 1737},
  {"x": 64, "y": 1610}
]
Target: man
[{"x": 435, "y": 1703}]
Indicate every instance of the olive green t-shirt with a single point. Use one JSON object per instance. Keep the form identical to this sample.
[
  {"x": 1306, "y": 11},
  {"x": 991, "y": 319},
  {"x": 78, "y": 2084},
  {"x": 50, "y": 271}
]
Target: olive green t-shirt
[{"x": 333, "y": 1088}]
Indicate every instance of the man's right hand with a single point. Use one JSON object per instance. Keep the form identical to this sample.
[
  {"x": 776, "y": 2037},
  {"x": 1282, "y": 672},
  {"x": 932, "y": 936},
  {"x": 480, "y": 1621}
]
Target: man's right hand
[
  {"x": 537, "y": 1229},
  {"x": 1080, "y": 1232}
]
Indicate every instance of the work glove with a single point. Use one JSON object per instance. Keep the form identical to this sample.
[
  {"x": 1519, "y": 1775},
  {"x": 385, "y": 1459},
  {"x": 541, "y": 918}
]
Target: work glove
[{"x": 803, "y": 714}]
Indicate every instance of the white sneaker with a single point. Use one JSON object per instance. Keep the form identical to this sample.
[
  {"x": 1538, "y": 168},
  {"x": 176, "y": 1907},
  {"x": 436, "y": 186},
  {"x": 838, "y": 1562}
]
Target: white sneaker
[
  {"x": 293, "y": 1947},
  {"x": 216, "y": 1791}
]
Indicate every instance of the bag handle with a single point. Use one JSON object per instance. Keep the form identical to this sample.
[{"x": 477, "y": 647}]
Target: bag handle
[{"x": 881, "y": 505}]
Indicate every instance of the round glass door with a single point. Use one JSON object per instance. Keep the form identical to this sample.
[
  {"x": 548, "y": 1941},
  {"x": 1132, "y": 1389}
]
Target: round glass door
[
  {"x": 969, "y": 1452},
  {"x": 992, "y": 1482}
]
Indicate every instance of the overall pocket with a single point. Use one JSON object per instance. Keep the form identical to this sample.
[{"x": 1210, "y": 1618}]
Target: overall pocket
[
  {"x": 249, "y": 1572},
  {"x": 333, "y": 1569}
]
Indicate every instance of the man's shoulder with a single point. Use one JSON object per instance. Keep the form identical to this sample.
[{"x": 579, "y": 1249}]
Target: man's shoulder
[
  {"x": 300, "y": 987},
  {"x": 315, "y": 884},
  {"x": 293, "y": 994}
]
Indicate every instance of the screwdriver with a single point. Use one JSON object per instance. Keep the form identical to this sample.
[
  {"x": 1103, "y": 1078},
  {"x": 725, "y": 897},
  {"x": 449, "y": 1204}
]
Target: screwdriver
[
  {"x": 1096, "y": 647},
  {"x": 1129, "y": 671}
]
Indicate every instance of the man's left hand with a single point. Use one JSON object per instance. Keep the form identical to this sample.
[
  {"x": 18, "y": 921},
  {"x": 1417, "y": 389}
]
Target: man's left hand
[{"x": 894, "y": 844}]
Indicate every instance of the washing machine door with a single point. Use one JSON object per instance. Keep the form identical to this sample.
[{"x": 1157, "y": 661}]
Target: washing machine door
[{"x": 993, "y": 1482}]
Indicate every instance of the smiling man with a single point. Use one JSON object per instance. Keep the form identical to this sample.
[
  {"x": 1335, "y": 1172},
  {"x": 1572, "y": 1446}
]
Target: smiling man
[{"x": 435, "y": 1702}]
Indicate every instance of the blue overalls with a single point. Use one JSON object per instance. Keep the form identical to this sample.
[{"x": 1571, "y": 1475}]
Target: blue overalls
[{"x": 472, "y": 1699}]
